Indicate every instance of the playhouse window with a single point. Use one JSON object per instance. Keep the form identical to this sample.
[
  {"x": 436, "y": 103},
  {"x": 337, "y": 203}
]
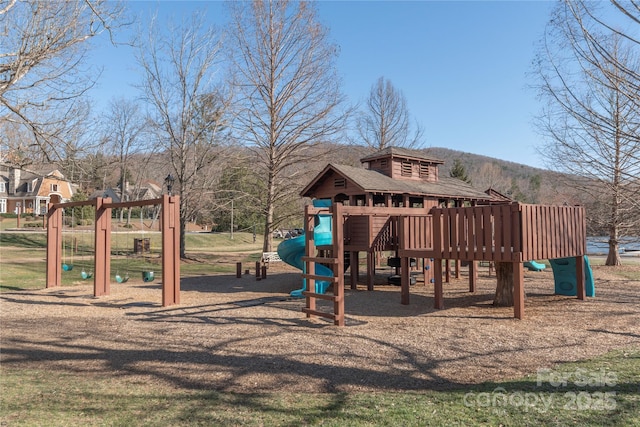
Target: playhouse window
[
  {"x": 3, "y": 205},
  {"x": 54, "y": 187},
  {"x": 406, "y": 169},
  {"x": 384, "y": 163},
  {"x": 424, "y": 170},
  {"x": 2, "y": 188},
  {"x": 340, "y": 183}
]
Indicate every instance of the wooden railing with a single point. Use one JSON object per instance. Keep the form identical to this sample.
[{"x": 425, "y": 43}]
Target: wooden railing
[
  {"x": 550, "y": 232},
  {"x": 511, "y": 233},
  {"x": 477, "y": 233}
]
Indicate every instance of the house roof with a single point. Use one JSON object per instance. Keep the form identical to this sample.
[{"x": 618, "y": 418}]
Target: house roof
[
  {"x": 497, "y": 196},
  {"x": 371, "y": 181},
  {"x": 404, "y": 153}
]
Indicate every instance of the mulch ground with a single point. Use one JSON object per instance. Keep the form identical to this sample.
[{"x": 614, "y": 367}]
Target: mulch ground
[{"x": 244, "y": 335}]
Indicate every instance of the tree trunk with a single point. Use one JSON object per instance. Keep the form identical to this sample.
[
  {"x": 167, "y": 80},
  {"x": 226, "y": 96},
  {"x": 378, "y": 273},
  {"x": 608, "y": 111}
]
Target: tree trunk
[
  {"x": 267, "y": 245},
  {"x": 504, "y": 288},
  {"x": 613, "y": 257}
]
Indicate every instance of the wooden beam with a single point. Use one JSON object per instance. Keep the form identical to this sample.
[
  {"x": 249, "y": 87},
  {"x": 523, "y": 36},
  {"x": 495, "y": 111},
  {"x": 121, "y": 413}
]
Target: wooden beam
[
  {"x": 355, "y": 268},
  {"x": 518, "y": 290},
  {"x": 338, "y": 268},
  {"x": 438, "y": 296},
  {"x": 102, "y": 257},
  {"x": 447, "y": 271},
  {"x": 473, "y": 275},
  {"x": 54, "y": 246},
  {"x": 171, "y": 250},
  {"x": 405, "y": 279},
  {"x": 580, "y": 278},
  {"x": 371, "y": 269}
]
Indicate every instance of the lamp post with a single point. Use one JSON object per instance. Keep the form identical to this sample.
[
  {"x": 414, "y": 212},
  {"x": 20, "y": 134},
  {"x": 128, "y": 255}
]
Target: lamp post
[{"x": 168, "y": 181}]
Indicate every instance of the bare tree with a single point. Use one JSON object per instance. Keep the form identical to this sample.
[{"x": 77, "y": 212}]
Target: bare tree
[
  {"x": 591, "y": 121},
  {"x": 491, "y": 175},
  {"x": 188, "y": 111},
  {"x": 386, "y": 119},
  {"x": 42, "y": 50},
  {"x": 124, "y": 128},
  {"x": 288, "y": 92}
]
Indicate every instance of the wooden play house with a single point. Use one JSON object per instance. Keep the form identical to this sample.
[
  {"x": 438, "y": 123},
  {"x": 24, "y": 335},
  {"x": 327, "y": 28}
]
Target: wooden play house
[{"x": 398, "y": 202}]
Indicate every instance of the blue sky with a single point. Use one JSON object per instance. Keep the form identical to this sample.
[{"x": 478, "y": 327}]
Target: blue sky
[{"x": 461, "y": 65}]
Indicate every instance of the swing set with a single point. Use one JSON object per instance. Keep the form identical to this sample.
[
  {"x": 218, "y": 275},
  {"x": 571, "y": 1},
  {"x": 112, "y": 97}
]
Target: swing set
[
  {"x": 67, "y": 266},
  {"x": 87, "y": 272},
  {"x": 170, "y": 226},
  {"x": 119, "y": 277}
]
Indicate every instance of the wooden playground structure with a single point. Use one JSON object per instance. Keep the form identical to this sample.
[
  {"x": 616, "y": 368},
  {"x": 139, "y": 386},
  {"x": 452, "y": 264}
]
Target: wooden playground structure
[
  {"x": 512, "y": 233},
  {"x": 170, "y": 226}
]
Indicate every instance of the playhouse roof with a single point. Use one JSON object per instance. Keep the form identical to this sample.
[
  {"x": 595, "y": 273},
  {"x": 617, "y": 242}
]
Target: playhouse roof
[
  {"x": 399, "y": 152},
  {"x": 371, "y": 181}
]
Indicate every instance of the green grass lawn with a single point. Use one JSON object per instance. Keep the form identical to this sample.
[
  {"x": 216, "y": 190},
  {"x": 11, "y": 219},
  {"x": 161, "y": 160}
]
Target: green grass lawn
[
  {"x": 23, "y": 256},
  {"x": 609, "y": 397}
]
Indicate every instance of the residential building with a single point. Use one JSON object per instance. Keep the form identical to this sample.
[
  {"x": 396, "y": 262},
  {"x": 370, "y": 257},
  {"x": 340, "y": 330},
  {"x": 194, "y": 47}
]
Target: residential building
[{"x": 27, "y": 191}]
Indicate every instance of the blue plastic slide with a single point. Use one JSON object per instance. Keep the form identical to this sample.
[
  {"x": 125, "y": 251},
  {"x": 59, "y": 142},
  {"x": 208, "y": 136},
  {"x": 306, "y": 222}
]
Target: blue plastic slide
[
  {"x": 534, "y": 266},
  {"x": 564, "y": 275},
  {"x": 291, "y": 251}
]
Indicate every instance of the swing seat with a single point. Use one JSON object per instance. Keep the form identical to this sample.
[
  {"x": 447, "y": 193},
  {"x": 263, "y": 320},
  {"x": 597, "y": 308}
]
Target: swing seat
[
  {"x": 67, "y": 267},
  {"x": 147, "y": 276},
  {"x": 86, "y": 275},
  {"x": 121, "y": 279}
]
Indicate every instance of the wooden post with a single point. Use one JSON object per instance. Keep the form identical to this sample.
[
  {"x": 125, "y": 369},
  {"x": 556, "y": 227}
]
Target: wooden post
[
  {"x": 580, "y": 278},
  {"x": 371, "y": 269},
  {"x": 264, "y": 271},
  {"x": 238, "y": 270},
  {"x": 473, "y": 275},
  {"x": 54, "y": 246},
  {"x": 518, "y": 290},
  {"x": 355, "y": 266},
  {"x": 310, "y": 266},
  {"x": 447, "y": 271},
  {"x": 458, "y": 263},
  {"x": 170, "y": 250},
  {"x": 405, "y": 280},
  {"x": 438, "y": 296},
  {"x": 258, "y": 270},
  {"x": 338, "y": 269},
  {"x": 428, "y": 270},
  {"x": 102, "y": 258}
]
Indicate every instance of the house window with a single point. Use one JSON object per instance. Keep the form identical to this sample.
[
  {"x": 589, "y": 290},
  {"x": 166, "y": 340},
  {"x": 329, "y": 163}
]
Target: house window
[
  {"x": 2, "y": 187},
  {"x": 29, "y": 187},
  {"x": 54, "y": 188},
  {"x": 340, "y": 183},
  {"x": 3, "y": 205},
  {"x": 406, "y": 169},
  {"x": 416, "y": 202},
  {"x": 424, "y": 170}
]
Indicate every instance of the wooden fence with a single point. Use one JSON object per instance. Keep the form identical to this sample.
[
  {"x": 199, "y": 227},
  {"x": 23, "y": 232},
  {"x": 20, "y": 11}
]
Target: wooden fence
[{"x": 509, "y": 233}]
